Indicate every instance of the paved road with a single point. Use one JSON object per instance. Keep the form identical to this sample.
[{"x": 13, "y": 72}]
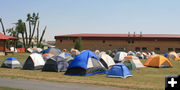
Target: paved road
[{"x": 40, "y": 85}]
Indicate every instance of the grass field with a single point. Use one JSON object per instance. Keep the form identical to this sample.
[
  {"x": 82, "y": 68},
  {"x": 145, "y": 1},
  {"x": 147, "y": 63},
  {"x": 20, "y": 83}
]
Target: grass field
[
  {"x": 143, "y": 78},
  {"x": 7, "y": 88}
]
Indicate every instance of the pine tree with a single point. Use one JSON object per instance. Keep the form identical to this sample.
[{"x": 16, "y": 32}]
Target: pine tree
[{"x": 78, "y": 44}]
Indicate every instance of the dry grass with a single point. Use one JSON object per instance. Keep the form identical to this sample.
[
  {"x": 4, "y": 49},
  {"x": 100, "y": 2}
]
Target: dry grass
[{"x": 143, "y": 78}]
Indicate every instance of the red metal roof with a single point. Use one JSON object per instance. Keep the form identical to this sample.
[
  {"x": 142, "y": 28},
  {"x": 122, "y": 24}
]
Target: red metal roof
[
  {"x": 2, "y": 36},
  {"x": 123, "y": 35}
]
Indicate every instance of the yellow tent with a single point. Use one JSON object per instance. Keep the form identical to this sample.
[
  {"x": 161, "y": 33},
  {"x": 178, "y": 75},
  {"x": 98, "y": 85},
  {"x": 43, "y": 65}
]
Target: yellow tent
[
  {"x": 173, "y": 56},
  {"x": 158, "y": 61}
]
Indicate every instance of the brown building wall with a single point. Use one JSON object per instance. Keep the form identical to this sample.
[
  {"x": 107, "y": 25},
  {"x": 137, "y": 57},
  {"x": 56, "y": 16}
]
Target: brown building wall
[
  {"x": 163, "y": 45},
  {"x": 2, "y": 45}
]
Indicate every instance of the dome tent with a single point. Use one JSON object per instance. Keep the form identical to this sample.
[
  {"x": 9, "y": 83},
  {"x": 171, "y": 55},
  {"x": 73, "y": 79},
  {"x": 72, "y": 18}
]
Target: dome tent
[
  {"x": 85, "y": 64},
  {"x": 158, "y": 61},
  {"x": 106, "y": 60},
  {"x": 56, "y": 64},
  {"x": 53, "y": 51},
  {"x": 135, "y": 60},
  {"x": 130, "y": 64},
  {"x": 173, "y": 56},
  {"x": 11, "y": 63},
  {"x": 119, "y": 56},
  {"x": 119, "y": 70},
  {"x": 33, "y": 62}
]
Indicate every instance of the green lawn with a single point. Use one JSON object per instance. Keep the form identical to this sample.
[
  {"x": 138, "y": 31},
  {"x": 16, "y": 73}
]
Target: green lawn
[
  {"x": 7, "y": 88},
  {"x": 143, "y": 78}
]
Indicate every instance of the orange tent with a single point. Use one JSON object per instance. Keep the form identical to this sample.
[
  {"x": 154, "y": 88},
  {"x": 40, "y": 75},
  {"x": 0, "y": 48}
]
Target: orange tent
[{"x": 158, "y": 61}]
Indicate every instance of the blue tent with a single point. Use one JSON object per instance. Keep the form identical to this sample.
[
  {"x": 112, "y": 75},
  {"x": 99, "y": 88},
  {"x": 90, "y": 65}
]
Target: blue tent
[
  {"x": 165, "y": 54},
  {"x": 12, "y": 58},
  {"x": 53, "y": 51},
  {"x": 85, "y": 64},
  {"x": 119, "y": 70},
  {"x": 11, "y": 63}
]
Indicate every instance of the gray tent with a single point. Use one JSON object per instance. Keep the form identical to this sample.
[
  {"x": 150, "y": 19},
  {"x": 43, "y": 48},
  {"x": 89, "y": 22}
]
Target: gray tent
[
  {"x": 56, "y": 64},
  {"x": 11, "y": 63}
]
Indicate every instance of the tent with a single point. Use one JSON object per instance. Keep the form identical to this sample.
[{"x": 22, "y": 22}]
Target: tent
[
  {"x": 135, "y": 60},
  {"x": 119, "y": 56},
  {"x": 158, "y": 61},
  {"x": 106, "y": 60},
  {"x": 119, "y": 70},
  {"x": 146, "y": 55},
  {"x": 131, "y": 53},
  {"x": 56, "y": 64},
  {"x": 64, "y": 54},
  {"x": 173, "y": 56},
  {"x": 46, "y": 56},
  {"x": 11, "y": 63},
  {"x": 130, "y": 64},
  {"x": 97, "y": 52},
  {"x": 85, "y": 64},
  {"x": 139, "y": 55},
  {"x": 53, "y": 51},
  {"x": 74, "y": 52},
  {"x": 33, "y": 62},
  {"x": 165, "y": 54}
]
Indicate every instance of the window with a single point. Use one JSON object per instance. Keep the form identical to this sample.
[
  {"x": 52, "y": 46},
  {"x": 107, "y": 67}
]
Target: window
[
  {"x": 129, "y": 41},
  {"x": 170, "y": 49},
  {"x": 73, "y": 41},
  {"x": 137, "y": 49},
  {"x": 144, "y": 49},
  {"x": 177, "y": 50},
  {"x": 103, "y": 41},
  {"x": 132, "y": 41},
  {"x": 157, "y": 49},
  {"x": 60, "y": 41}
]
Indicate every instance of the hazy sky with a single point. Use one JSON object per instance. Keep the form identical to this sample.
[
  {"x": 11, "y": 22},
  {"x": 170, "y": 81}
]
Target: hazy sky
[{"x": 96, "y": 16}]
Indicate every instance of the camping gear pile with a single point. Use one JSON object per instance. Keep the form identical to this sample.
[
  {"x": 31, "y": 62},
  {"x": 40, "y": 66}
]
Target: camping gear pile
[{"x": 86, "y": 63}]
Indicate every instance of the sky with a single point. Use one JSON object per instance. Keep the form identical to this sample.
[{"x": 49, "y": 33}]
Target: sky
[{"x": 96, "y": 16}]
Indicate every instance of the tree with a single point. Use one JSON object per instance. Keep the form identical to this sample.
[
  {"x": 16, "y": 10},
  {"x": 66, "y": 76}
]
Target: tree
[
  {"x": 38, "y": 32},
  {"x": 12, "y": 32},
  {"x": 29, "y": 20},
  {"x": 20, "y": 28},
  {"x": 42, "y": 34},
  {"x": 33, "y": 21},
  {"x": 2, "y": 26},
  {"x": 78, "y": 44}
]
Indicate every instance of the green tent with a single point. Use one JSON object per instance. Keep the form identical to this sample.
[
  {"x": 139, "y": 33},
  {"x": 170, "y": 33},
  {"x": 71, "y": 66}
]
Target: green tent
[{"x": 130, "y": 64}]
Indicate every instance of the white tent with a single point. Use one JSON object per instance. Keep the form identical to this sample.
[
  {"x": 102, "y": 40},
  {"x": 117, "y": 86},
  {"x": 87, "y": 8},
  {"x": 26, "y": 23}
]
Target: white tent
[
  {"x": 106, "y": 60},
  {"x": 34, "y": 61},
  {"x": 119, "y": 56}
]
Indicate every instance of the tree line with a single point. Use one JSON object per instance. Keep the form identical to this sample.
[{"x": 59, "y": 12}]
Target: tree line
[{"x": 27, "y": 34}]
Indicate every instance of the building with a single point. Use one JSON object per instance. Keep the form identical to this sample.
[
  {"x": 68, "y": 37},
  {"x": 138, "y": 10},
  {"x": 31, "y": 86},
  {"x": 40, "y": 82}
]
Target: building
[
  {"x": 159, "y": 43},
  {"x": 3, "y": 40}
]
